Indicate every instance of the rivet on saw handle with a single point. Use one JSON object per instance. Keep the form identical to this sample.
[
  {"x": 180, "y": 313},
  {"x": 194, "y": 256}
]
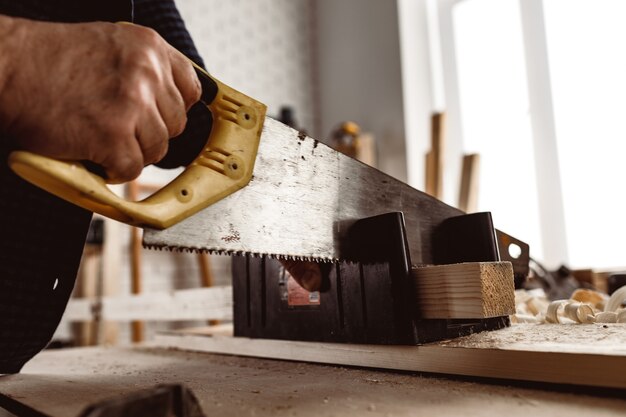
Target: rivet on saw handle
[{"x": 224, "y": 165}]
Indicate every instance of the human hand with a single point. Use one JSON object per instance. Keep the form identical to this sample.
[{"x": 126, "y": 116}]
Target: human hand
[
  {"x": 108, "y": 93},
  {"x": 307, "y": 274}
]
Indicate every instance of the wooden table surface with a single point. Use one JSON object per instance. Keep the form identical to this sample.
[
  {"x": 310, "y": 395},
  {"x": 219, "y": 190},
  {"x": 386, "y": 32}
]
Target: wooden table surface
[{"x": 64, "y": 382}]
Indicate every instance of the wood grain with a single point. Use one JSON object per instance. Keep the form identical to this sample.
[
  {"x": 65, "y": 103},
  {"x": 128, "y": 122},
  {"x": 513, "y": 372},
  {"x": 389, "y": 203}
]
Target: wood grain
[{"x": 466, "y": 290}]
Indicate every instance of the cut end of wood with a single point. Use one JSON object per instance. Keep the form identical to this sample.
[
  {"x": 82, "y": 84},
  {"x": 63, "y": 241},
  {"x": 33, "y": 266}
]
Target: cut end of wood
[
  {"x": 498, "y": 287},
  {"x": 467, "y": 290}
]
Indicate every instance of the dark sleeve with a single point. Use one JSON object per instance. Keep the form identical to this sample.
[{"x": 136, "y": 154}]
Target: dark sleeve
[
  {"x": 164, "y": 17},
  {"x": 41, "y": 236}
]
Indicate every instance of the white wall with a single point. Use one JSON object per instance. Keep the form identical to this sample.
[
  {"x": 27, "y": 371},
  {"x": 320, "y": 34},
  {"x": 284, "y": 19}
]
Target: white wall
[
  {"x": 418, "y": 89},
  {"x": 360, "y": 74}
]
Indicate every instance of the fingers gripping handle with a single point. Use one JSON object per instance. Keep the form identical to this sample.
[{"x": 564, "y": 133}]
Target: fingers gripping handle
[{"x": 223, "y": 166}]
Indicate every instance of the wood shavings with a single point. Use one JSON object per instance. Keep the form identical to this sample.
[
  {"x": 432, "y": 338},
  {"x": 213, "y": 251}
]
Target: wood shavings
[
  {"x": 584, "y": 307},
  {"x": 606, "y": 317},
  {"x": 530, "y": 303},
  {"x": 524, "y": 318},
  {"x": 552, "y": 315},
  {"x": 617, "y": 300},
  {"x": 596, "y": 299},
  {"x": 579, "y": 312}
]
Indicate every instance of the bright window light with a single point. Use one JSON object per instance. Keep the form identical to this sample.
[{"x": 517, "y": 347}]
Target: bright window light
[
  {"x": 494, "y": 113},
  {"x": 588, "y": 74}
]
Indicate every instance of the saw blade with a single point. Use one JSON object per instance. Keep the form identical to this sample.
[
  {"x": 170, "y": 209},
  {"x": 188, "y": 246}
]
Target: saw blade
[{"x": 300, "y": 203}]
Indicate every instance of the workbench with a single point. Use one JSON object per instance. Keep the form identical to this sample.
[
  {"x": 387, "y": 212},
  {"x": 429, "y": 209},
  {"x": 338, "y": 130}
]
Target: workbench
[{"x": 62, "y": 383}]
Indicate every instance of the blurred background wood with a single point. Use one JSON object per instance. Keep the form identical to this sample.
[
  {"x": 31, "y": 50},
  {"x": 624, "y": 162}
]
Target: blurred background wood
[
  {"x": 435, "y": 157},
  {"x": 468, "y": 191}
]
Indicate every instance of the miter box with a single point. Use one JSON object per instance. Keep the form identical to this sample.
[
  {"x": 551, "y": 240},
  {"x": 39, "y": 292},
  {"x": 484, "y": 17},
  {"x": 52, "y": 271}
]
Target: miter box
[{"x": 368, "y": 299}]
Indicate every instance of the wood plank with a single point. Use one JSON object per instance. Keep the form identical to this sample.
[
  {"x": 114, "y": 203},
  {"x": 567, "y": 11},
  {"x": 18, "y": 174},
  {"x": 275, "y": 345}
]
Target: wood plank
[
  {"x": 435, "y": 158},
  {"x": 593, "y": 355},
  {"x": 214, "y": 303},
  {"x": 468, "y": 190},
  {"x": 63, "y": 383},
  {"x": 430, "y": 183},
  {"x": 465, "y": 290}
]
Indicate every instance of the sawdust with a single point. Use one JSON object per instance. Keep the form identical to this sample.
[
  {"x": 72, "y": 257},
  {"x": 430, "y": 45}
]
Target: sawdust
[{"x": 538, "y": 335}]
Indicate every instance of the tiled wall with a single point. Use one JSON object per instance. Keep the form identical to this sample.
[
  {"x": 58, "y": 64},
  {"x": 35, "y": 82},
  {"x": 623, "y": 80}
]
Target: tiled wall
[{"x": 260, "y": 47}]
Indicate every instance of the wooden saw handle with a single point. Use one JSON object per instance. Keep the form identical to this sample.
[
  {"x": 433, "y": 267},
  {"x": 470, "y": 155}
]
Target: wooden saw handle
[{"x": 223, "y": 166}]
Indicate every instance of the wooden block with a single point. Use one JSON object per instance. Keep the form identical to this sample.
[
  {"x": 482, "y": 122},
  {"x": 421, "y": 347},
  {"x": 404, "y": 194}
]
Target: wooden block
[{"x": 466, "y": 290}]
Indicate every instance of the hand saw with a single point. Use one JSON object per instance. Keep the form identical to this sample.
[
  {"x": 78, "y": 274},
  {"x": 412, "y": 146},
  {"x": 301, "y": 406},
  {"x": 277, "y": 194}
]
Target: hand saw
[{"x": 258, "y": 187}]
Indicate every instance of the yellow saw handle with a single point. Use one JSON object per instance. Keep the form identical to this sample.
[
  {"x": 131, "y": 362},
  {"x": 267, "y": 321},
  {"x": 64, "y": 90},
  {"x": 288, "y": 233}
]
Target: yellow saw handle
[{"x": 223, "y": 166}]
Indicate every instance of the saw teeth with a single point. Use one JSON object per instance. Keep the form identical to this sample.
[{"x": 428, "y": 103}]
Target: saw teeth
[{"x": 223, "y": 252}]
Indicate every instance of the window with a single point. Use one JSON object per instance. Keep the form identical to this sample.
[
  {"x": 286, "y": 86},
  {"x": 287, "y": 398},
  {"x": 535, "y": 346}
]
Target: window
[
  {"x": 493, "y": 98},
  {"x": 588, "y": 73},
  {"x": 540, "y": 88}
]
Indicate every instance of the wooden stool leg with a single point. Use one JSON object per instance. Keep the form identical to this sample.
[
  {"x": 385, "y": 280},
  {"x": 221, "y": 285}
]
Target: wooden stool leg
[
  {"x": 204, "y": 263},
  {"x": 137, "y": 327},
  {"x": 206, "y": 276}
]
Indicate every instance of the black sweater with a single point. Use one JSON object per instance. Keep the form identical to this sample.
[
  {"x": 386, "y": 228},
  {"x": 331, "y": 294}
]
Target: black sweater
[{"x": 41, "y": 236}]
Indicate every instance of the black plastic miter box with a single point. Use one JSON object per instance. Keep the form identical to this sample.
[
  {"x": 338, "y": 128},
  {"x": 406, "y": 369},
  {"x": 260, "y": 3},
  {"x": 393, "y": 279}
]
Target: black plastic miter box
[{"x": 368, "y": 299}]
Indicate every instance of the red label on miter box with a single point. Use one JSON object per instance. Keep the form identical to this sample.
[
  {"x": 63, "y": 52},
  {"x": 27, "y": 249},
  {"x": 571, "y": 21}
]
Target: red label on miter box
[
  {"x": 293, "y": 295},
  {"x": 298, "y": 296}
]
